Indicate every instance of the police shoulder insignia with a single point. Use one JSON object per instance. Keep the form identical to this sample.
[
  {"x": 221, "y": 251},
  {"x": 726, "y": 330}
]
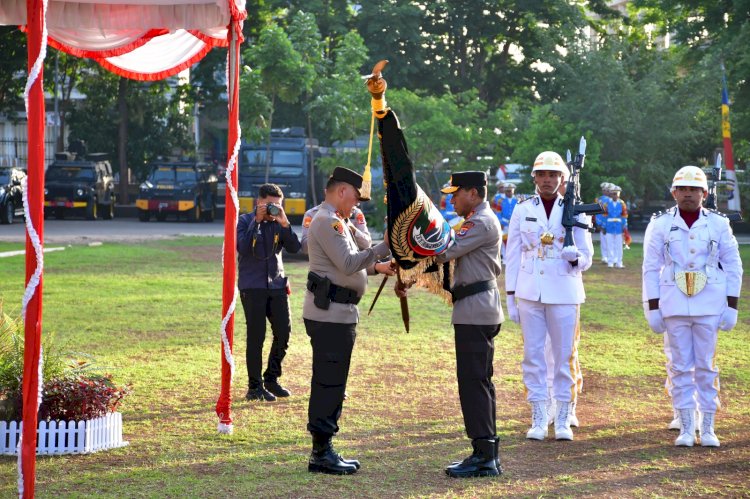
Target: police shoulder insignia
[
  {"x": 338, "y": 227},
  {"x": 306, "y": 222},
  {"x": 464, "y": 228},
  {"x": 524, "y": 200},
  {"x": 716, "y": 212},
  {"x": 658, "y": 214},
  {"x": 360, "y": 218}
]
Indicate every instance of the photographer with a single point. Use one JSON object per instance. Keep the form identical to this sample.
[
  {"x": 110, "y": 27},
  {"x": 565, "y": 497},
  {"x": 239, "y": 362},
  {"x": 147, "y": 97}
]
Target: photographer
[{"x": 264, "y": 288}]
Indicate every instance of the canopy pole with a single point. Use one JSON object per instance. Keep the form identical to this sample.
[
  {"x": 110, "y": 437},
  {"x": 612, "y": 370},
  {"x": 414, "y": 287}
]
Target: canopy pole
[
  {"x": 34, "y": 211},
  {"x": 229, "y": 254}
]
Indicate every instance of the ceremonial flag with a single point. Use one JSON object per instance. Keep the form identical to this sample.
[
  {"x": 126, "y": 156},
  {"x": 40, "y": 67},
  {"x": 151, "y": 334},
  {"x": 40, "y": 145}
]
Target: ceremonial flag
[{"x": 733, "y": 201}]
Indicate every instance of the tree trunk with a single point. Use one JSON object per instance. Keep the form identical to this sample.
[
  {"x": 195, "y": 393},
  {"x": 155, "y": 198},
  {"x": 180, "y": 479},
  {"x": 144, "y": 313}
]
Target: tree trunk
[
  {"x": 270, "y": 128},
  {"x": 313, "y": 187},
  {"x": 122, "y": 143}
]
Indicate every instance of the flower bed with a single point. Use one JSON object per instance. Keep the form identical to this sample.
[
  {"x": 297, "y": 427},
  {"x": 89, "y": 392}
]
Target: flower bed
[{"x": 77, "y": 413}]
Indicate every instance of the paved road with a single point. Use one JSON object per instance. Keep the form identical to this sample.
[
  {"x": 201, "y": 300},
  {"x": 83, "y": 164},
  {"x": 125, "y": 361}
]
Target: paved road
[
  {"x": 124, "y": 229},
  {"x": 128, "y": 229}
]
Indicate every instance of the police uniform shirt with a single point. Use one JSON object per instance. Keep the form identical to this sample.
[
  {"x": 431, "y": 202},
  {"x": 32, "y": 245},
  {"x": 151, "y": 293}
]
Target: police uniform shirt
[
  {"x": 333, "y": 253},
  {"x": 536, "y": 272},
  {"x": 357, "y": 224},
  {"x": 709, "y": 246},
  {"x": 477, "y": 254}
]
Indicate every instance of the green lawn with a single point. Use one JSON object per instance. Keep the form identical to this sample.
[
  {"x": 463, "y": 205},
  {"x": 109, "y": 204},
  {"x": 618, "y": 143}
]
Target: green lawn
[{"x": 150, "y": 313}]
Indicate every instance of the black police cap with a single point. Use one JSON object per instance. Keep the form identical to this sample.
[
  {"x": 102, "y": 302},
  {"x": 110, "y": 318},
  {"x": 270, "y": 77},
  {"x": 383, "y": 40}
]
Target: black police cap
[
  {"x": 351, "y": 177},
  {"x": 465, "y": 179}
]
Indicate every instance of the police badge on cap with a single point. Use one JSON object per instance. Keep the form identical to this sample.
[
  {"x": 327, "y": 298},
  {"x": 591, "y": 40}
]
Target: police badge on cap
[{"x": 465, "y": 179}]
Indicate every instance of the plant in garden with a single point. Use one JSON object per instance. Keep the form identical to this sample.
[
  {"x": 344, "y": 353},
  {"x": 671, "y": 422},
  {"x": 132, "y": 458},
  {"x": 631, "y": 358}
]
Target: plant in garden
[{"x": 74, "y": 388}]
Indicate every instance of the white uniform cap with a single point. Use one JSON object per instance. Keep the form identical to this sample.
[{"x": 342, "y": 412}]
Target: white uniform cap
[
  {"x": 690, "y": 176},
  {"x": 551, "y": 161}
]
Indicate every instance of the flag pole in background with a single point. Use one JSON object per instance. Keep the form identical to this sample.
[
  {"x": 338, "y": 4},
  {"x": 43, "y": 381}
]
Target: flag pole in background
[{"x": 733, "y": 201}]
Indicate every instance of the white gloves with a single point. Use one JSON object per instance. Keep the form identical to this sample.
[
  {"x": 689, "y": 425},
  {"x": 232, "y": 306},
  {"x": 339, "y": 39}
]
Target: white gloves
[
  {"x": 656, "y": 321},
  {"x": 570, "y": 254},
  {"x": 728, "y": 319},
  {"x": 513, "y": 314}
]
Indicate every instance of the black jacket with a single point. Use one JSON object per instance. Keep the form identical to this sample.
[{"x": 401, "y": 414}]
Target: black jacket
[{"x": 259, "y": 252}]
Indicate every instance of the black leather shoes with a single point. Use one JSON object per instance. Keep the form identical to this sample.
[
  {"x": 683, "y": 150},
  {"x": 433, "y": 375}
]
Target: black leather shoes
[
  {"x": 259, "y": 393},
  {"x": 324, "y": 459},
  {"x": 275, "y": 388},
  {"x": 483, "y": 462}
]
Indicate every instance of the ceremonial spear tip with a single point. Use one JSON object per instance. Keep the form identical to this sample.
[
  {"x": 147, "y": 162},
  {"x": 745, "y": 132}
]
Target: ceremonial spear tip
[{"x": 377, "y": 69}]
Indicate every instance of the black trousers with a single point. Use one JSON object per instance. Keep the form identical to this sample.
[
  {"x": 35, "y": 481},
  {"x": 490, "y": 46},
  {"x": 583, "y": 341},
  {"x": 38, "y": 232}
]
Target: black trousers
[
  {"x": 332, "y": 345},
  {"x": 475, "y": 350},
  {"x": 260, "y": 304}
]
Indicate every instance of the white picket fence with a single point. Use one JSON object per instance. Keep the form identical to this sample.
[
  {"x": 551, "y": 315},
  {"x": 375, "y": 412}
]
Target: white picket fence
[{"x": 67, "y": 437}]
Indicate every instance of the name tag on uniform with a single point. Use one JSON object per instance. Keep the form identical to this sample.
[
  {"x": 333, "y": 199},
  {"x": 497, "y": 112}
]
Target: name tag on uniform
[
  {"x": 674, "y": 227},
  {"x": 530, "y": 219}
]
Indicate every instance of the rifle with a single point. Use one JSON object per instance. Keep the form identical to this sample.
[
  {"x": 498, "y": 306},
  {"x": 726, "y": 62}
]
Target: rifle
[
  {"x": 712, "y": 200},
  {"x": 572, "y": 204}
]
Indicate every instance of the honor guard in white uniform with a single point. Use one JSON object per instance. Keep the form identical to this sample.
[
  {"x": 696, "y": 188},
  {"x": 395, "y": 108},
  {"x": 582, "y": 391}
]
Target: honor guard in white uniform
[
  {"x": 545, "y": 289},
  {"x": 692, "y": 275},
  {"x": 477, "y": 316},
  {"x": 335, "y": 284}
]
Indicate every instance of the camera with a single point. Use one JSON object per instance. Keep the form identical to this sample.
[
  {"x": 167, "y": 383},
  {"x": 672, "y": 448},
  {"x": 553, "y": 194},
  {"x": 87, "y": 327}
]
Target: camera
[{"x": 273, "y": 209}]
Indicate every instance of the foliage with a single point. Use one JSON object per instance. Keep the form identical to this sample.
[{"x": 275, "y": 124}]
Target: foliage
[
  {"x": 73, "y": 389},
  {"x": 12, "y": 68},
  {"x": 156, "y": 124},
  {"x": 80, "y": 397}
]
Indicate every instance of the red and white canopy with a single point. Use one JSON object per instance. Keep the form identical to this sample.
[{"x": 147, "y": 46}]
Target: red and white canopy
[{"x": 138, "y": 39}]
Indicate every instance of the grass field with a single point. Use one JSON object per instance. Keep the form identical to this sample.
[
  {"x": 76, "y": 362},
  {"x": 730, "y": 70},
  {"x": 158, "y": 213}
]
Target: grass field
[{"x": 150, "y": 313}]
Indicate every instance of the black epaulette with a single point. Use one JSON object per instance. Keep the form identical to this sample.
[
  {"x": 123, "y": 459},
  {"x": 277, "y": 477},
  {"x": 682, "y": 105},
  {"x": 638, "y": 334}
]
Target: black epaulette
[
  {"x": 716, "y": 212},
  {"x": 527, "y": 199},
  {"x": 658, "y": 214}
]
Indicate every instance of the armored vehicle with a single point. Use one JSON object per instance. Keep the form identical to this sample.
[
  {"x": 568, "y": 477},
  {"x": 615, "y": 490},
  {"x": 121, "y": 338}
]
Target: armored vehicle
[
  {"x": 79, "y": 184},
  {"x": 11, "y": 197},
  {"x": 180, "y": 188}
]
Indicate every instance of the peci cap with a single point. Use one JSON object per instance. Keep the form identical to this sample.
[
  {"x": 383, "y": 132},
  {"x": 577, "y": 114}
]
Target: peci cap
[
  {"x": 465, "y": 179},
  {"x": 341, "y": 174}
]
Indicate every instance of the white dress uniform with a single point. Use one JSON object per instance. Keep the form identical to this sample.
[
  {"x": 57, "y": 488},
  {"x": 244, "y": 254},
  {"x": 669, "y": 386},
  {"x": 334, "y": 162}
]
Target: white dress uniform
[
  {"x": 709, "y": 248},
  {"x": 549, "y": 291}
]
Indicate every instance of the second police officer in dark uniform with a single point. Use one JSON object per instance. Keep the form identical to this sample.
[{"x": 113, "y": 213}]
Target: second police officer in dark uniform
[
  {"x": 476, "y": 319},
  {"x": 336, "y": 282}
]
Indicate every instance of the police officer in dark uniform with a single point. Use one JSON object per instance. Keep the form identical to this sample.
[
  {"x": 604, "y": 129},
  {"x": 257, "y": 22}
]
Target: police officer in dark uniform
[
  {"x": 264, "y": 289},
  {"x": 336, "y": 282},
  {"x": 476, "y": 319}
]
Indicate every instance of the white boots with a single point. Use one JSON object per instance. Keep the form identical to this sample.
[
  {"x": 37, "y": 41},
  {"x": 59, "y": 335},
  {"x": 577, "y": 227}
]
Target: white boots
[
  {"x": 572, "y": 418},
  {"x": 538, "y": 430},
  {"x": 708, "y": 437},
  {"x": 675, "y": 424},
  {"x": 687, "y": 429},
  {"x": 562, "y": 421}
]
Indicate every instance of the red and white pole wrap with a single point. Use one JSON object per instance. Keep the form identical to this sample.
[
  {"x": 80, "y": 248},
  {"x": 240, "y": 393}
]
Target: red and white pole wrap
[
  {"x": 229, "y": 252},
  {"x": 36, "y": 12}
]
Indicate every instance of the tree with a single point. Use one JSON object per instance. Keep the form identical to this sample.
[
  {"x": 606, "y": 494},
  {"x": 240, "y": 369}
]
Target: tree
[
  {"x": 155, "y": 124},
  {"x": 282, "y": 71},
  {"x": 67, "y": 68},
  {"x": 13, "y": 65}
]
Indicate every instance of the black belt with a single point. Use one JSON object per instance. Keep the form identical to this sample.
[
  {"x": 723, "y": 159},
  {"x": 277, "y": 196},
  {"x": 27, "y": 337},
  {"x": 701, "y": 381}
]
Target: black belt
[
  {"x": 461, "y": 292},
  {"x": 337, "y": 294}
]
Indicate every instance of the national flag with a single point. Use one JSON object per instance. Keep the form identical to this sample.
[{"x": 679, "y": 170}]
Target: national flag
[{"x": 733, "y": 201}]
